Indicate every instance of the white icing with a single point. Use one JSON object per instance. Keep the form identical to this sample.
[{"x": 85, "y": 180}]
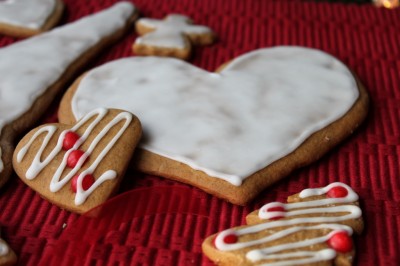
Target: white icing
[
  {"x": 57, "y": 183},
  {"x": 260, "y": 254},
  {"x": 29, "y": 67},
  {"x": 293, "y": 257},
  {"x": 38, "y": 165},
  {"x": 3, "y": 249},
  {"x": 261, "y": 107},
  {"x": 294, "y": 225},
  {"x": 26, "y": 13},
  {"x": 322, "y": 255},
  {"x": 169, "y": 32},
  {"x": 351, "y": 196},
  {"x": 353, "y": 211}
]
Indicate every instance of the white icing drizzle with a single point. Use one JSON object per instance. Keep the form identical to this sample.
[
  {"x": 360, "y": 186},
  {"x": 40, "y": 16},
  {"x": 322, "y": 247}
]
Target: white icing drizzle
[
  {"x": 294, "y": 225},
  {"x": 321, "y": 255},
  {"x": 352, "y": 196},
  {"x": 354, "y": 211},
  {"x": 261, "y": 107},
  {"x": 26, "y": 13},
  {"x": 23, "y": 79},
  {"x": 169, "y": 32},
  {"x": 37, "y": 166},
  {"x": 57, "y": 183}
]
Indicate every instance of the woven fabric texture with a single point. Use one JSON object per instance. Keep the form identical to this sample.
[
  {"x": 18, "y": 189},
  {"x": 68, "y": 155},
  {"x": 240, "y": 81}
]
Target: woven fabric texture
[{"x": 165, "y": 222}]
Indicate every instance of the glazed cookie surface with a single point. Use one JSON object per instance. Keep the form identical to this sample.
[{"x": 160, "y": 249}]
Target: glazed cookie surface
[
  {"x": 33, "y": 71},
  {"x": 313, "y": 228},
  {"x": 234, "y": 132},
  {"x": 78, "y": 167},
  {"x": 173, "y": 36},
  {"x": 24, "y": 18}
]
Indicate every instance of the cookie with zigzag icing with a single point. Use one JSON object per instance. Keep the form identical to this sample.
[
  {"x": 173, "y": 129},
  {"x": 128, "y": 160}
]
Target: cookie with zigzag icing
[
  {"x": 78, "y": 167},
  {"x": 315, "y": 227}
]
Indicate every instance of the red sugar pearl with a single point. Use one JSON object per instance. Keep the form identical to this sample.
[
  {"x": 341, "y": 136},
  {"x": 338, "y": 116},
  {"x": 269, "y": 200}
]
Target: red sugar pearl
[
  {"x": 87, "y": 182},
  {"x": 74, "y": 157},
  {"x": 230, "y": 239},
  {"x": 341, "y": 242},
  {"x": 337, "y": 192},
  {"x": 276, "y": 209},
  {"x": 70, "y": 139}
]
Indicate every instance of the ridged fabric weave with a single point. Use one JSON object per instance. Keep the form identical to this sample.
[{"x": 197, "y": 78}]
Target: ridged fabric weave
[{"x": 161, "y": 222}]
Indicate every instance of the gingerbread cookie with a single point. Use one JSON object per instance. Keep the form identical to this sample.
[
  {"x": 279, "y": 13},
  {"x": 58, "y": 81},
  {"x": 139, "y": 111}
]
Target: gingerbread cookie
[
  {"x": 33, "y": 71},
  {"x": 7, "y": 255},
  {"x": 78, "y": 167},
  {"x": 231, "y": 133},
  {"x": 314, "y": 228},
  {"x": 24, "y": 18},
  {"x": 172, "y": 36}
]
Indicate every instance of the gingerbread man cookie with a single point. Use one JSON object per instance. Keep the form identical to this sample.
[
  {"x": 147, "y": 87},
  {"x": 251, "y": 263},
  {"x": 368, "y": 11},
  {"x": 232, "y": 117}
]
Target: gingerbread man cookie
[
  {"x": 231, "y": 133},
  {"x": 33, "y": 71},
  {"x": 172, "y": 36},
  {"x": 23, "y": 18},
  {"x": 78, "y": 167},
  {"x": 314, "y": 227}
]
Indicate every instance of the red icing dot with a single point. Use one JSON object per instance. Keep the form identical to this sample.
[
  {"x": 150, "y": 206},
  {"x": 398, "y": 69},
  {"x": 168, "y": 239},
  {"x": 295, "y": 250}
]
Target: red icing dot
[
  {"x": 337, "y": 192},
  {"x": 230, "y": 239},
  {"x": 276, "y": 209},
  {"x": 87, "y": 182},
  {"x": 70, "y": 139},
  {"x": 341, "y": 242},
  {"x": 74, "y": 157}
]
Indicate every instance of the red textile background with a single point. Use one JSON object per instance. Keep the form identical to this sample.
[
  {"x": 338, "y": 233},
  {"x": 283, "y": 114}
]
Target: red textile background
[{"x": 161, "y": 222}]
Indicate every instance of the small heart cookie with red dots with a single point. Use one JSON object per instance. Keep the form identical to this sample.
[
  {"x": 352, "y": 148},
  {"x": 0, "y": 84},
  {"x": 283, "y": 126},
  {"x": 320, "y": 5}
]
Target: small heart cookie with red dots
[
  {"x": 78, "y": 167},
  {"x": 314, "y": 227}
]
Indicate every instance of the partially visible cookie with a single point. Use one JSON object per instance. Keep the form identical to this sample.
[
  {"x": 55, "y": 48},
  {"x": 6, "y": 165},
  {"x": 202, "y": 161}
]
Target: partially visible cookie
[
  {"x": 24, "y": 18},
  {"x": 314, "y": 228},
  {"x": 173, "y": 36},
  {"x": 78, "y": 167},
  {"x": 35, "y": 70},
  {"x": 7, "y": 255}
]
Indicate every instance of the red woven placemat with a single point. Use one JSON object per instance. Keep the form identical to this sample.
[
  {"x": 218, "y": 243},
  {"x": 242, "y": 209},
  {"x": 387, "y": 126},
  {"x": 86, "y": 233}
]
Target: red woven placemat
[{"x": 164, "y": 222}]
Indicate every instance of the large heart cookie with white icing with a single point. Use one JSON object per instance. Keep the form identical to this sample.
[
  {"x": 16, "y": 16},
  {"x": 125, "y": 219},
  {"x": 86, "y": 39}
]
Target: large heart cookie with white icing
[
  {"x": 23, "y": 18},
  {"x": 233, "y": 132},
  {"x": 78, "y": 167},
  {"x": 33, "y": 71}
]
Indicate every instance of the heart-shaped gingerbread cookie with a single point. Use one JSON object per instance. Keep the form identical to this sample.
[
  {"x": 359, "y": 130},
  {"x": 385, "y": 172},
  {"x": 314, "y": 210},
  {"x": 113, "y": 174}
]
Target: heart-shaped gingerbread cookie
[
  {"x": 78, "y": 167},
  {"x": 314, "y": 228},
  {"x": 234, "y": 132}
]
